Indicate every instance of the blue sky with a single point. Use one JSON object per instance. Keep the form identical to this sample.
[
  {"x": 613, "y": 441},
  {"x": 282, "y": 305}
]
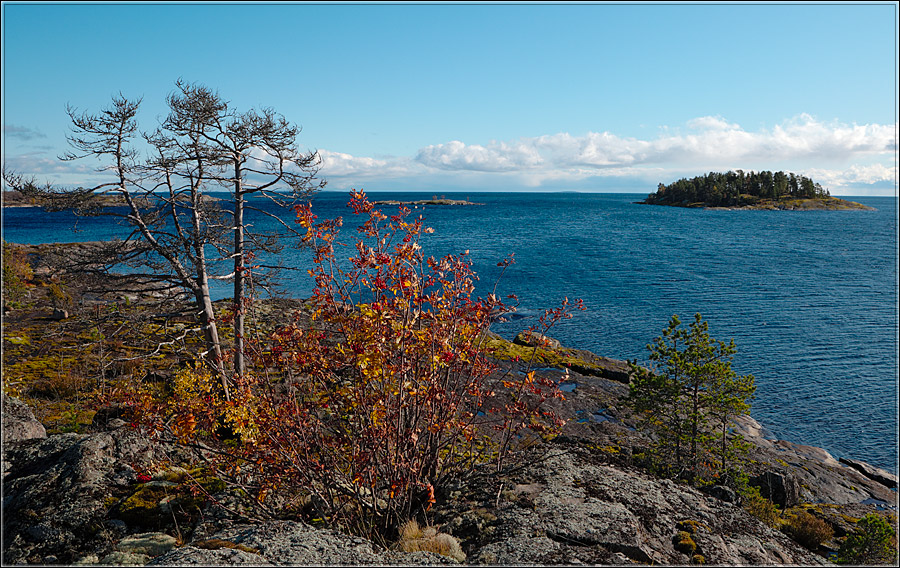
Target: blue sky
[{"x": 443, "y": 97}]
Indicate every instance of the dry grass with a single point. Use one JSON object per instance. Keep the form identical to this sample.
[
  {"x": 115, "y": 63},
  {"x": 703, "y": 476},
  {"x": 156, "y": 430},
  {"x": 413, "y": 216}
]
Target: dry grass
[{"x": 427, "y": 539}]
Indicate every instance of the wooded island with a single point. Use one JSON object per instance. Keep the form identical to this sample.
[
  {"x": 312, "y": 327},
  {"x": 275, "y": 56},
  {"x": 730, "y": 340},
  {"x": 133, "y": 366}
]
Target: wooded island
[{"x": 750, "y": 190}]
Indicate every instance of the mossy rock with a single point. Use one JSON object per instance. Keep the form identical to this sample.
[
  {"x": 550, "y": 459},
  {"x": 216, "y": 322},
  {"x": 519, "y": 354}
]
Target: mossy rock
[
  {"x": 118, "y": 558},
  {"x": 143, "y": 508},
  {"x": 148, "y": 544},
  {"x": 561, "y": 358},
  {"x": 159, "y": 504},
  {"x": 684, "y": 543},
  {"x": 690, "y": 526}
]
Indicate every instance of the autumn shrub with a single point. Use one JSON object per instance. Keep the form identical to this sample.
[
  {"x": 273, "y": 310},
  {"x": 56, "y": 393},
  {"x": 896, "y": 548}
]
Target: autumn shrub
[
  {"x": 807, "y": 529},
  {"x": 360, "y": 414}
]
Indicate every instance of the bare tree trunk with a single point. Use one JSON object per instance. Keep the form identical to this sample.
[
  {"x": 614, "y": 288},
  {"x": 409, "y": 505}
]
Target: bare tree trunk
[
  {"x": 211, "y": 331},
  {"x": 238, "y": 273}
]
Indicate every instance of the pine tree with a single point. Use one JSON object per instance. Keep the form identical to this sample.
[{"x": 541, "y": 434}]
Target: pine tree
[{"x": 691, "y": 396}]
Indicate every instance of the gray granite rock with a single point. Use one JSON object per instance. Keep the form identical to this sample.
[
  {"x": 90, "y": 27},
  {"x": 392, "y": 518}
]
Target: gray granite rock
[
  {"x": 192, "y": 556},
  {"x": 582, "y": 504},
  {"x": 883, "y": 477},
  {"x": 56, "y": 493},
  {"x": 19, "y": 423},
  {"x": 782, "y": 489},
  {"x": 288, "y": 543}
]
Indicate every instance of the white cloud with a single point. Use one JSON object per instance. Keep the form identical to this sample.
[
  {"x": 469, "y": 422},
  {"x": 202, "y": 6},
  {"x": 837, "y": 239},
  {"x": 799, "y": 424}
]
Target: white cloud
[
  {"x": 806, "y": 137},
  {"x": 855, "y": 175},
  {"x": 495, "y": 157},
  {"x": 840, "y": 156},
  {"x": 712, "y": 142},
  {"x": 341, "y": 165},
  {"x": 40, "y": 164},
  {"x": 711, "y": 123}
]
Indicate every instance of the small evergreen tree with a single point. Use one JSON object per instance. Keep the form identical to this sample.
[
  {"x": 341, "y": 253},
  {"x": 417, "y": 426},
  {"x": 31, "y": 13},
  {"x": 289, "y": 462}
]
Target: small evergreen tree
[
  {"x": 873, "y": 542},
  {"x": 691, "y": 397}
]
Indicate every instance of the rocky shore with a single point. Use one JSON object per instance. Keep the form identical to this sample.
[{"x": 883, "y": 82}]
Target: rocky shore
[
  {"x": 818, "y": 204},
  {"x": 824, "y": 204},
  {"x": 82, "y": 498},
  {"x": 110, "y": 495}
]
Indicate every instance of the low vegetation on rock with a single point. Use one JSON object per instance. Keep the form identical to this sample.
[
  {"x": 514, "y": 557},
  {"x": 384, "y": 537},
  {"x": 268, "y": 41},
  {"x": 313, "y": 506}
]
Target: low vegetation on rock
[
  {"x": 808, "y": 529},
  {"x": 414, "y": 538}
]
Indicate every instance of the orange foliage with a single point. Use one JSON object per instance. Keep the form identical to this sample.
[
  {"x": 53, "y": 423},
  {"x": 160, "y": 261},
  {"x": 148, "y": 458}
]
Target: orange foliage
[{"x": 385, "y": 397}]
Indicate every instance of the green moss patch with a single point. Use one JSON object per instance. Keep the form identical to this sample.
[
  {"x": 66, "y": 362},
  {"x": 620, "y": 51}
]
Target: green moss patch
[
  {"x": 170, "y": 497},
  {"x": 562, "y": 358},
  {"x": 690, "y": 526},
  {"x": 684, "y": 543}
]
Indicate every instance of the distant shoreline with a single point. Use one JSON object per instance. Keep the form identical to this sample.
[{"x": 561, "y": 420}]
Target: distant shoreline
[
  {"x": 819, "y": 204},
  {"x": 16, "y": 199},
  {"x": 427, "y": 202}
]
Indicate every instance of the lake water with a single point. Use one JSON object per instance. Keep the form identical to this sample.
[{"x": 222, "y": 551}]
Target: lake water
[{"x": 810, "y": 297}]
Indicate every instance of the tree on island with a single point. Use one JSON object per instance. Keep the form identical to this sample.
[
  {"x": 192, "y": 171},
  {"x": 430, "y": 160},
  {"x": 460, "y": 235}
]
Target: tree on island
[
  {"x": 180, "y": 237},
  {"x": 690, "y": 400},
  {"x": 736, "y": 188}
]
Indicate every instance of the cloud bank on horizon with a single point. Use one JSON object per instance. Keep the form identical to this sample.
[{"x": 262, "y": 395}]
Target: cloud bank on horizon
[{"x": 846, "y": 159}]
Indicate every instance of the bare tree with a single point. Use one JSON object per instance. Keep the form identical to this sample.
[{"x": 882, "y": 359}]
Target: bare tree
[
  {"x": 179, "y": 235},
  {"x": 250, "y": 153}
]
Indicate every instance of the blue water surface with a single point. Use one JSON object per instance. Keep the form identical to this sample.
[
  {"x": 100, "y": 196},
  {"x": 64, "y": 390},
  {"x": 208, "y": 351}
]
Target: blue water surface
[{"x": 810, "y": 297}]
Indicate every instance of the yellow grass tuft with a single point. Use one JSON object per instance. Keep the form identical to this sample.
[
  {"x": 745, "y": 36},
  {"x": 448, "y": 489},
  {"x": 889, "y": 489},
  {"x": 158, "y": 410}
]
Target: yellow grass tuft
[{"x": 427, "y": 539}]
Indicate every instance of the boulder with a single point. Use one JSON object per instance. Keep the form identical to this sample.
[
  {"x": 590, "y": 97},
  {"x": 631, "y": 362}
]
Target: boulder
[
  {"x": 781, "y": 489},
  {"x": 57, "y": 493},
  {"x": 531, "y": 339},
  {"x": 59, "y": 314},
  {"x": 721, "y": 492},
  {"x": 574, "y": 510},
  {"x": 19, "y": 423}
]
